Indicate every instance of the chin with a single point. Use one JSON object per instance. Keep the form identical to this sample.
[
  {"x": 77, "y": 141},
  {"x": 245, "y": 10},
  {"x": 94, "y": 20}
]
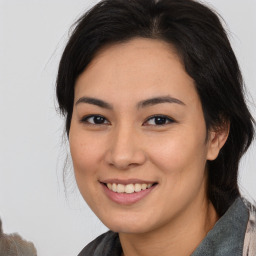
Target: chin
[
  {"x": 129, "y": 224},
  {"x": 128, "y": 229}
]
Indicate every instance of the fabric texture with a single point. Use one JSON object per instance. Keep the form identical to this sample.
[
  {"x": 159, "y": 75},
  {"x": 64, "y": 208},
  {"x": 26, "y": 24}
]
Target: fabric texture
[
  {"x": 15, "y": 245},
  {"x": 107, "y": 244},
  {"x": 227, "y": 236},
  {"x": 250, "y": 234},
  {"x": 234, "y": 234}
]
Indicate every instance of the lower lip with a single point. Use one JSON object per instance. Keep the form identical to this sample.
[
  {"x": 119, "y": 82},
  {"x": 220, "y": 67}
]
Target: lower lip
[{"x": 125, "y": 198}]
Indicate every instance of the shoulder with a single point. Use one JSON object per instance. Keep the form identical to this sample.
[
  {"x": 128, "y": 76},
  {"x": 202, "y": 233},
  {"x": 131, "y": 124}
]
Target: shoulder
[
  {"x": 104, "y": 245},
  {"x": 250, "y": 234},
  {"x": 228, "y": 234}
]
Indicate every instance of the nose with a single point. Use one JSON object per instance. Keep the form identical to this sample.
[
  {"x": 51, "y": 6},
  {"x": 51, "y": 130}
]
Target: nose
[{"x": 125, "y": 149}]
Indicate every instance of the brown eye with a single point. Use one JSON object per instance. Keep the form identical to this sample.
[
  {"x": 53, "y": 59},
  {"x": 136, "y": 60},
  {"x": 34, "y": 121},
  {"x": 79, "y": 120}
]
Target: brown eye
[
  {"x": 159, "y": 120},
  {"x": 95, "y": 119}
]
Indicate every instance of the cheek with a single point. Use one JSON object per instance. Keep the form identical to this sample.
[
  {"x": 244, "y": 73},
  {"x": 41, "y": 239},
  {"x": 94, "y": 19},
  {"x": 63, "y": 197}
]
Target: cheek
[
  {"x": 181, "y": 160},
  {"x": 86, "y": 156},
  {"x": 179, "y": 153},
  {"x": 86, "y": 152}
]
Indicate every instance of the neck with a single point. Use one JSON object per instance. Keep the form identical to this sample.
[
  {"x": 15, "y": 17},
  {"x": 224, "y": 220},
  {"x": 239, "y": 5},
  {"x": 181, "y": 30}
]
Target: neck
[{"x": 180, "y": 237}]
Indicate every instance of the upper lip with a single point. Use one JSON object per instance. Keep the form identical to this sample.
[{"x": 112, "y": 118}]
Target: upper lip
[{"x": 127, "y": 181}]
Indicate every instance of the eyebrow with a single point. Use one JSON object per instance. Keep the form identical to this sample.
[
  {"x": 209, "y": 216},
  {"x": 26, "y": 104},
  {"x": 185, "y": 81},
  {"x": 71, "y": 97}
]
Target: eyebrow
[
  {"x": 94, "y": 101},
  {"x": 141, "y": 104},
  {"x": 159, "y": 100}
]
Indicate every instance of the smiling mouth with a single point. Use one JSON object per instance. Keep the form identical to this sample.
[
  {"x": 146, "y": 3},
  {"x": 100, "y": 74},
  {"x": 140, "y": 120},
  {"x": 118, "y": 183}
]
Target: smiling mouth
[{"x": 129, "y": 188}]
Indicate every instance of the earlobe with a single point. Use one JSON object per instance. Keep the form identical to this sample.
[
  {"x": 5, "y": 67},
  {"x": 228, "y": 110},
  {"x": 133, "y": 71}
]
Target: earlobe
[{"x": 216, "y": 141}]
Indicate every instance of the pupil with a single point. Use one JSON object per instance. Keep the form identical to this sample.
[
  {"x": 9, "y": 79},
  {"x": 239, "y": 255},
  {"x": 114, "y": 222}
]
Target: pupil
[
  {"x": 98, "y": 120},
  {"x": 160, "y": 120}
]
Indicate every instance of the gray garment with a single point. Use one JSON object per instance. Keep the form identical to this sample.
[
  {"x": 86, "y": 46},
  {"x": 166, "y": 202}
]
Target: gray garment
[
  {"x": 227, "y": 236},
  {"x": 232, "y": 235},
  {"x": 107, "y": 244}
]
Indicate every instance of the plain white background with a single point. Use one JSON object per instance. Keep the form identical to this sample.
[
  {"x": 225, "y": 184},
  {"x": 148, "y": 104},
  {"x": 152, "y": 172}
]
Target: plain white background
[{"x": 32, "y": 199}]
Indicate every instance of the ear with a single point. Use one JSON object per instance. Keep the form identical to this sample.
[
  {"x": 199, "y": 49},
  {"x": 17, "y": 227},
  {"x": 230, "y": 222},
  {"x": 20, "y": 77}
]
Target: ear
[{"x": 216, "y": 140}]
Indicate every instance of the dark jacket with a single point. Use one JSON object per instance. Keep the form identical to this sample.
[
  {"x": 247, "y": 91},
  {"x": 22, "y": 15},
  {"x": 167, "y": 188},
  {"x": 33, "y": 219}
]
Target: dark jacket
[{"x": 234, "y": 234}]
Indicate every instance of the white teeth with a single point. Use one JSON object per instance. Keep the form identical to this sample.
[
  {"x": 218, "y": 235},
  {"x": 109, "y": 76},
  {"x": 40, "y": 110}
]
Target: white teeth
[
  {"x": 129, "y": 188},
  {"x": 143, "y": 186},
  {"x": 114, "y": 187},
  {"x": 120, "y": 188},
  {"x": 137, "y": 187}
]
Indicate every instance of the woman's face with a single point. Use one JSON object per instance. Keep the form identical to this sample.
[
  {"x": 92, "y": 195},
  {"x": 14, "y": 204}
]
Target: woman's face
[{"x": 138, "y": 137}]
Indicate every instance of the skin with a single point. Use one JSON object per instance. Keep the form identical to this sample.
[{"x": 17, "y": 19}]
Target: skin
[{"x": 176, "y": 215}]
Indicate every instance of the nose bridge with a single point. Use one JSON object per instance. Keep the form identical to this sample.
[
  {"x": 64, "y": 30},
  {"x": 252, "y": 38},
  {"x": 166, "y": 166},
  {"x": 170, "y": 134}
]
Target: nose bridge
[{"x": 125, "y": 147}]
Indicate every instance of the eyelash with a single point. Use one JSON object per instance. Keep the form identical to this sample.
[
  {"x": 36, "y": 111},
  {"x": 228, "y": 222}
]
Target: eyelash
[
  {"x": 163, "y": 117},
  {"x": 166, "y": 118},
  {"x": 86, "y": 118}
]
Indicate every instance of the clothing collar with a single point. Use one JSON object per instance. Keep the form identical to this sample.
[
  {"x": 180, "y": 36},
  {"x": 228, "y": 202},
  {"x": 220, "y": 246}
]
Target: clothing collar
[{"x": 227, "y": 236}]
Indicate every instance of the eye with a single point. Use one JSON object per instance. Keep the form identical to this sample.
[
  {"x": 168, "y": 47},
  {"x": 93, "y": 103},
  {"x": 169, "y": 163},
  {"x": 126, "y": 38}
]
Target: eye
[
  {"x": 159, "y": 120},
  {"x": 94, "y": 120}
]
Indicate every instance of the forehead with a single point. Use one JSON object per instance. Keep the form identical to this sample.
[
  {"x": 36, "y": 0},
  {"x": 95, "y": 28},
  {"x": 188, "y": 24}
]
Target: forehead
[{"x": 139, "y": 68}]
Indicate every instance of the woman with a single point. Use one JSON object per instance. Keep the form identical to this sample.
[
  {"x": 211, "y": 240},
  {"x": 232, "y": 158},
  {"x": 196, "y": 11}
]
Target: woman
[{"x": 157, "y": 124}]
